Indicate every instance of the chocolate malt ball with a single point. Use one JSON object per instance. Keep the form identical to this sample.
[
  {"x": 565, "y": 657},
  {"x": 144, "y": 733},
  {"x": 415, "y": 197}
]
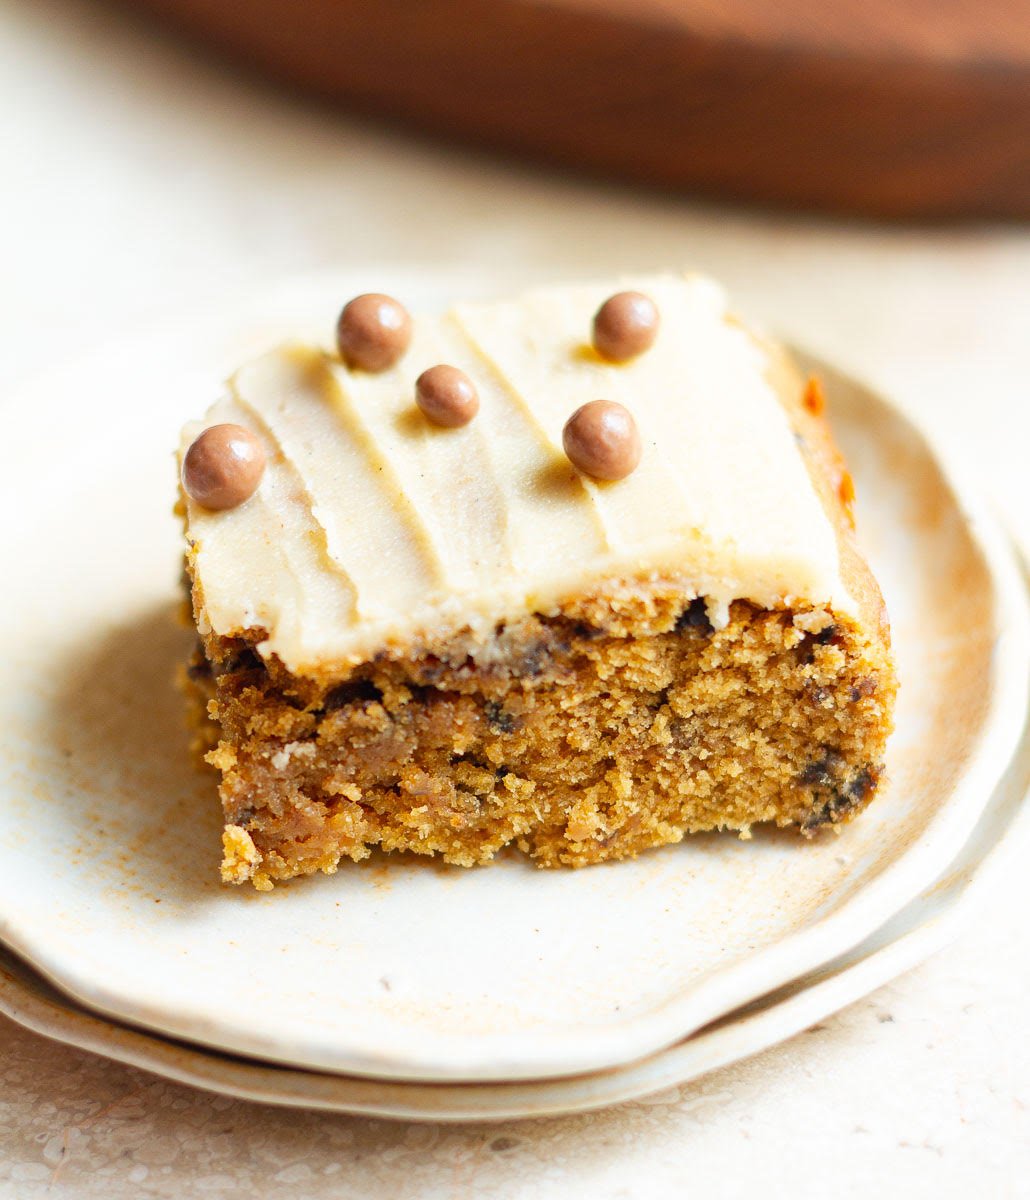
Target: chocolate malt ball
[
  {"x": 446, "y": 396},
  {"x": 602, "y": 440},
  {"x": 223, "y": 466},
  {"x": 625, "y": 325},
  {"x": 373, "y": 331}
]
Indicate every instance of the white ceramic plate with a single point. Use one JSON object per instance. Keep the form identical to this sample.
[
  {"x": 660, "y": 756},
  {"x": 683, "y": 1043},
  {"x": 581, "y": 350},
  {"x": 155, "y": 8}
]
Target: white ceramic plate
[
  {"x": 930, "y": 921},
  {"x": 399, "y": 969}
]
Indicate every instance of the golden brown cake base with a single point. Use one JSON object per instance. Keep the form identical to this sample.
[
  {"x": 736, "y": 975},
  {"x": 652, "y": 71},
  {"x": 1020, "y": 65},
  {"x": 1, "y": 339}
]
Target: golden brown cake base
[{"x": 621, "y": 723}]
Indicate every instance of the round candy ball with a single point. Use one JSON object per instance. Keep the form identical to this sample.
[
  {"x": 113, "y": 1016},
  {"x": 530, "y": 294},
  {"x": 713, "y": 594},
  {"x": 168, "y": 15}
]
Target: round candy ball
[
  {"x": 602, "y": 440},
  {"x": 625, "y": 325},
  {"x": 223, "y": 466},
  {"x": 373, "y": 331},
  {"x": 446, "y": 396}
]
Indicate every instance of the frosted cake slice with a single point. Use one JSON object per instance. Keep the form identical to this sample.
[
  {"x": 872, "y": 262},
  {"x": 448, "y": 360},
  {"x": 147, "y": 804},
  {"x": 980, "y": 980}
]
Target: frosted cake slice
[{"x": 573, "y": 572}]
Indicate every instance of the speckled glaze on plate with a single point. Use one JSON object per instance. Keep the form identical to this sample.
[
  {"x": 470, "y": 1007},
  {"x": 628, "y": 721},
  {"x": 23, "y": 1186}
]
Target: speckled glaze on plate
[
  {"x": 401, "y": 969},
  {"x": 924, "y": 925}
]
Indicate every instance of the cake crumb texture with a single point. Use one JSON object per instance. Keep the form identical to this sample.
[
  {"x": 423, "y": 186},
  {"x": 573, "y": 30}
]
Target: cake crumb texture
[{"x": 573, "y": 743}]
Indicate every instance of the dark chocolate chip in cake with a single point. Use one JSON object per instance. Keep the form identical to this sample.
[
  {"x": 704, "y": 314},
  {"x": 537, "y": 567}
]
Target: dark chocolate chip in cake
[
  {"x": 825, "y": 637},
  {"x": 846, "y": 795},
  {"x": 223, "y": 466},
  {"x": 373, "y": 331},
  {"x": 446, "y": 396},
  {"x": 695, "y": 616},
  {"x": 357, "y": 691},
  {"x": 625, "y": 325},
  {"x": 602, "y": 440},
  {"x": 498, "y": 718},
  {"x": 244, "y": 659},
  {"x": 823, "y": 771}
]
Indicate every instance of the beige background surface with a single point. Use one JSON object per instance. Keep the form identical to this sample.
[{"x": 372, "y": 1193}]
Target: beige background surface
[{"x": 137, "y": 176}]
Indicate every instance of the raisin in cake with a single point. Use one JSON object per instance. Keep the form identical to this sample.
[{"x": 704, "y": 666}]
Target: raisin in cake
[{"x": 451, "y": 610}]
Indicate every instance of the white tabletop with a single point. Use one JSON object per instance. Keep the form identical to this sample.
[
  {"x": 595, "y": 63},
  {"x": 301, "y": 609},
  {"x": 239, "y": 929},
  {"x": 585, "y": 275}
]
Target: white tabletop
[{"x": 138, "y": 175}]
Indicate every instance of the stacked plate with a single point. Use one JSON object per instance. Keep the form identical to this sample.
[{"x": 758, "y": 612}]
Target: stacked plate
[{"x": 399, "y": 987}]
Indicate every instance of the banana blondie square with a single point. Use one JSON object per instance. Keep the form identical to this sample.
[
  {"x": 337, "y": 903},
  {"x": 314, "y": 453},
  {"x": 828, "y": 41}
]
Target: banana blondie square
[{"x": 573, "y": 572}]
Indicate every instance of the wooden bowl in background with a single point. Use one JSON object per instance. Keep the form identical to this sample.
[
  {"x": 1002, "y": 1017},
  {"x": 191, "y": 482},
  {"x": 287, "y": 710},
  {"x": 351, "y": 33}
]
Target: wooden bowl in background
[{"x": 891, "y": 108}]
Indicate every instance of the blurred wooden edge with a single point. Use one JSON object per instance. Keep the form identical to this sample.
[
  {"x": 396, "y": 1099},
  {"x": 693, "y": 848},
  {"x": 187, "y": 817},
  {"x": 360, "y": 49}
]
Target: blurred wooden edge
[{"x": 647, "y": 91}]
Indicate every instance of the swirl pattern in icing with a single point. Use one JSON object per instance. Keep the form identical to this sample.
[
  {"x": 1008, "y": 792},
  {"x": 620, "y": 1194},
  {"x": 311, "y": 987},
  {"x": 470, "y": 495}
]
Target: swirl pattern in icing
[{"x": 374, "y": 528}]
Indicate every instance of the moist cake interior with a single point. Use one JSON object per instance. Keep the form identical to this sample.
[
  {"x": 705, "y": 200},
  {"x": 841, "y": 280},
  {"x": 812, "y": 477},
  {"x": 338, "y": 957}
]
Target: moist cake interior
[{"x": 572, "y": 742}]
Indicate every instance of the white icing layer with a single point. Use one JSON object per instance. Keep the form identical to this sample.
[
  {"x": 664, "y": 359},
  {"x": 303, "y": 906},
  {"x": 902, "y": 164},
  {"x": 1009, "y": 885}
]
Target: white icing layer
[{"x": 372, "y": 527}]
